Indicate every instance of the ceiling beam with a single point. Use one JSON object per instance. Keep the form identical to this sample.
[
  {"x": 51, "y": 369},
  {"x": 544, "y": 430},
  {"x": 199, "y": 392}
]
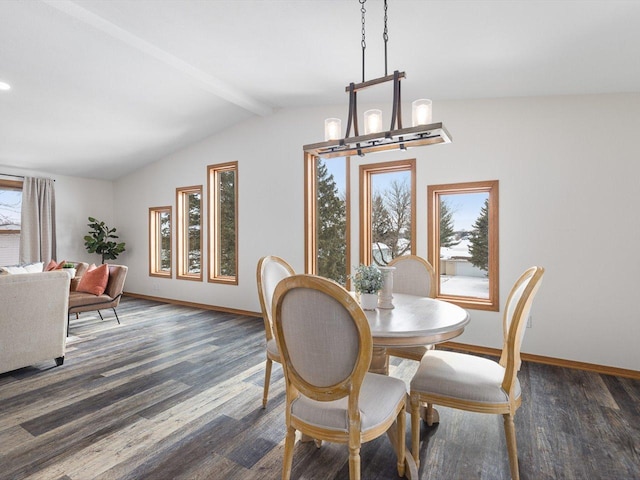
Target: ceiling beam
[{"x": 207, "y": 82}]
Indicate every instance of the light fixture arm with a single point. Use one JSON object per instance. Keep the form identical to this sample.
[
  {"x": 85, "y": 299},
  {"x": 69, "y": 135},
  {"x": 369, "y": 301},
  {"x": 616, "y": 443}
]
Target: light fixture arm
[{"x": 352, "y": 89}]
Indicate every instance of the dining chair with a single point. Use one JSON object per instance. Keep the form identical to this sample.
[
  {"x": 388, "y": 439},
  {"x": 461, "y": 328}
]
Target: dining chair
[
  {"x": 477, "y": 384},
  {"x": 326, "y": 346},
  {"x": 270, "y": 271},
  {"x": 413, "y": 275}
]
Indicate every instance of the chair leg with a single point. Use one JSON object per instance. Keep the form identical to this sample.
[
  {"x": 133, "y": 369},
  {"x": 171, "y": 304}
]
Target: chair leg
[
  {"x": 402, "y": 431},
  {"x": 287, "y": 462},
  {"x": 116, "y": 314},
  {"x": 267, "y": 379},
  {"x": 431, "y": 415},
  {"x": 354, "y": 462},
  {"x": 100, "y": 315},
  {"x": 415, "y": 429},
  {"x": 512, "y": 448}
]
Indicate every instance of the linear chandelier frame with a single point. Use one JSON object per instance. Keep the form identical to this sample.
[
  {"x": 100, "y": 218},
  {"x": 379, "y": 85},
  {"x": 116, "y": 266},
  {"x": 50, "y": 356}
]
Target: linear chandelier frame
[{"x": 396, "y": 138}]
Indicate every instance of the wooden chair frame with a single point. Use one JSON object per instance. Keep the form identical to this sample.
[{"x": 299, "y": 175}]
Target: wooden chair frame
[
  {"x": 509, "y": 360},
  {"x": 349, "y": 387},
  {"x": 266, "y": 316}
]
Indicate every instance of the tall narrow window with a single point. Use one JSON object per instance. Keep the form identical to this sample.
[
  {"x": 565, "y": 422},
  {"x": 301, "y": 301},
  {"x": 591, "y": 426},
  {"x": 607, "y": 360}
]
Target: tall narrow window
[
  {"x": 189, "y": 232},
  {"x": 223, "y": 222},
  {"x": 387, "y": 211},
  {"x": 463, "y": 242},
  {"x": 160, "y": 242},
  {"x": 327, "y": 217},
  {"x": 10, "y": 211}
]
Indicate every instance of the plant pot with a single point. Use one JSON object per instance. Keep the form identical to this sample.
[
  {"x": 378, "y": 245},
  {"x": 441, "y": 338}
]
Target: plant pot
[
  {"x": 71, "y": 272},
  {"x": 368, "y": 301}
]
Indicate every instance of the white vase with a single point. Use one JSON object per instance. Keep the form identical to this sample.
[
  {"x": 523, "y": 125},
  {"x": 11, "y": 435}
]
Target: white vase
[
  {"x": 368, "y": 301},
  {"x": 385, "y": 295}
]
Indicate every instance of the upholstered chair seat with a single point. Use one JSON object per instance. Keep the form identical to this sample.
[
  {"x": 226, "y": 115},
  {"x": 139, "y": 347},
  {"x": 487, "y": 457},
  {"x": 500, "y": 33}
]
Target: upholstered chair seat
[
  {"x": 326, "y": 346},
  {"x": 477, "y": 384},
  {"x": 460, "y": 376},
  {"x": 377, "y": 403}
]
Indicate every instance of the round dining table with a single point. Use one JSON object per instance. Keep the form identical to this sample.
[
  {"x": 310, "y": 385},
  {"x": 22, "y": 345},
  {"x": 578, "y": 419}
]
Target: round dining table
[{"x": 414, "y": 321}]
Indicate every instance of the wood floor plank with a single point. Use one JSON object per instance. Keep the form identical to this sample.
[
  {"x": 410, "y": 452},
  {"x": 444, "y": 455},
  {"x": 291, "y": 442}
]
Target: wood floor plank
[{"x": 175, "y": 392}]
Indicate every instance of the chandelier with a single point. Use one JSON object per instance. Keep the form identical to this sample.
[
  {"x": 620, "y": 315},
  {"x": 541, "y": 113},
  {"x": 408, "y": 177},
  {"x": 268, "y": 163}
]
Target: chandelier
[{"x": 375, "y": 138}]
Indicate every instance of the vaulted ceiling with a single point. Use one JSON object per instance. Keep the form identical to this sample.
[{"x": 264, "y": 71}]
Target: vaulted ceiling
[{"x": 101, "y": 87}]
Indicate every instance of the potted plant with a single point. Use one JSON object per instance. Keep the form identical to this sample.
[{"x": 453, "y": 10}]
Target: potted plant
[
  {"x": 367, "y": 281},
  {"x": 100, "y": 240},
  {"x": 70, "y": 268}
]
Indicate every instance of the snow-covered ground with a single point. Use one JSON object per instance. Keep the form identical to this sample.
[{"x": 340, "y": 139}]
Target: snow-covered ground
[{"x": 466, "y": 286}]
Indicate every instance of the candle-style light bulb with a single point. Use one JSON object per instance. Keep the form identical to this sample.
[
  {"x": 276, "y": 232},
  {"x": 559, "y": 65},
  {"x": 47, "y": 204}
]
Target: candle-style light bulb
[
  {"x": 372, "y": 121},
  {"x": 332, "y": 128},
  {"x": 421, "y": 112}
]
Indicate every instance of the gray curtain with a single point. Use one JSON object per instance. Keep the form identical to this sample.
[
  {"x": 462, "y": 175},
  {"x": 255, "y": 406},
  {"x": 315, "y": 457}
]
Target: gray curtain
[{"x": 38, "y": 229}]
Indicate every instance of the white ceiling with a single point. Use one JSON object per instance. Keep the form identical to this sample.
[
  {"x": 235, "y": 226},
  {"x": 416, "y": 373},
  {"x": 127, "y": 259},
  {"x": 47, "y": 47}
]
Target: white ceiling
[{"x": 102, "y": 87}]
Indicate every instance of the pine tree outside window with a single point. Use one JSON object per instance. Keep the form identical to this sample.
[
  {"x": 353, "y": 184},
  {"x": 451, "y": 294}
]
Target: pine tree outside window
[
  {"x": 327, "y": 217},
  {"x": 189, "y": 232},
  {"x": 223, "y": 223},
  {"x": 160, "y": 242},
  {"x": 463, "y": 242}
]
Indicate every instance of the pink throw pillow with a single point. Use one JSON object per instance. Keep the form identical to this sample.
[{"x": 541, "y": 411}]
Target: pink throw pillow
[
  {"x": 51, "y": 266},
  {"x": 60, "y": 265},
  {"x": 94, "y": 280}
]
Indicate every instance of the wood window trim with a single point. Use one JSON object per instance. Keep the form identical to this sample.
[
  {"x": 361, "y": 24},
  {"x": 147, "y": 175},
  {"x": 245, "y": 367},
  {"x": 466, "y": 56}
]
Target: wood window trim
[
  {"x": 154, "y": 237},
  {"x": 366, "y": 171},
  {"x": 433, "y": 224},
  {"x": 181, "y": 192},
  {"x": 214, "y": 214},
  {"x": 310, "y": 216}
]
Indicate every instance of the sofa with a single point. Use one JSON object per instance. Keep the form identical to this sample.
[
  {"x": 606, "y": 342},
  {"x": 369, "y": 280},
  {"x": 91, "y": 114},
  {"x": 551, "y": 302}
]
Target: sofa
[{"x": 33, "y": 318}]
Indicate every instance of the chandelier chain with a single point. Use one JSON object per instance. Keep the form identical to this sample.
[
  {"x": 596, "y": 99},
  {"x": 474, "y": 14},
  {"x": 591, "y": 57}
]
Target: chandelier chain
[
  {"x": 385, "y": 36},
  {"x": 363, "y": 42}
]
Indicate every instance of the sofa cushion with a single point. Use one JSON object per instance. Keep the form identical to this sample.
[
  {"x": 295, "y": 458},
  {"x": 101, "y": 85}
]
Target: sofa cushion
[{"x": 94, "y": 280}]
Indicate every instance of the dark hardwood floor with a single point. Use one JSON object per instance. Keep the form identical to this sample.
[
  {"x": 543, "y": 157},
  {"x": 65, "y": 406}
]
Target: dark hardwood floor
[{"x": 175, "y": 393}]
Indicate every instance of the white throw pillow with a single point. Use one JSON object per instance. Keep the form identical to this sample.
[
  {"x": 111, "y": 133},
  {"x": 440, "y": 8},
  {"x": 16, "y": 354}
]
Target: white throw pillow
[
  {"x": 29, "y": 268},
  {"x": 34, "y": 267}
]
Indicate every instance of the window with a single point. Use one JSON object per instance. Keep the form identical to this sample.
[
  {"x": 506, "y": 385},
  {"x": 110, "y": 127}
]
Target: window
[
  {"x": 463, "y": 242},
  {"x": 327, "y": 217},
  {"x": 160, "y": 242},
  {"x": 387, "y": 211},
  {"x": 189, "y": 232},
  {"x": 223, "y": 222},
  {"x": 10, "y": 211}
]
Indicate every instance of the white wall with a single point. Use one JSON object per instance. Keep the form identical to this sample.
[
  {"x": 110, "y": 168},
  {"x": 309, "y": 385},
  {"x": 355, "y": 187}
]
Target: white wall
[
  {"x": 76, "y": 200},
  {"x": 568, "y": 170}
]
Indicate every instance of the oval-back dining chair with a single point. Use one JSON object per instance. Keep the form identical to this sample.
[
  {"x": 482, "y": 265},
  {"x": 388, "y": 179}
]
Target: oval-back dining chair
[
  {"x": 326, "y": 346},
  {"x": 477, "y": 384},
  {"x": 413, "y": 275},
  {"x": 270, "y": 271}
]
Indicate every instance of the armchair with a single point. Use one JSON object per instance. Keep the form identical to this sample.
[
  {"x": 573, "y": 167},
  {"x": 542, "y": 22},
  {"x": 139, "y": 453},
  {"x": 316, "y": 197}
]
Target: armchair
[{"x": 87, "y": 302}]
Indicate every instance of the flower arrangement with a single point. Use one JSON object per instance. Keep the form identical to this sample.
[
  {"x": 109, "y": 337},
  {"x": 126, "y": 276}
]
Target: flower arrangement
[{"x": 367, "y": 279}]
